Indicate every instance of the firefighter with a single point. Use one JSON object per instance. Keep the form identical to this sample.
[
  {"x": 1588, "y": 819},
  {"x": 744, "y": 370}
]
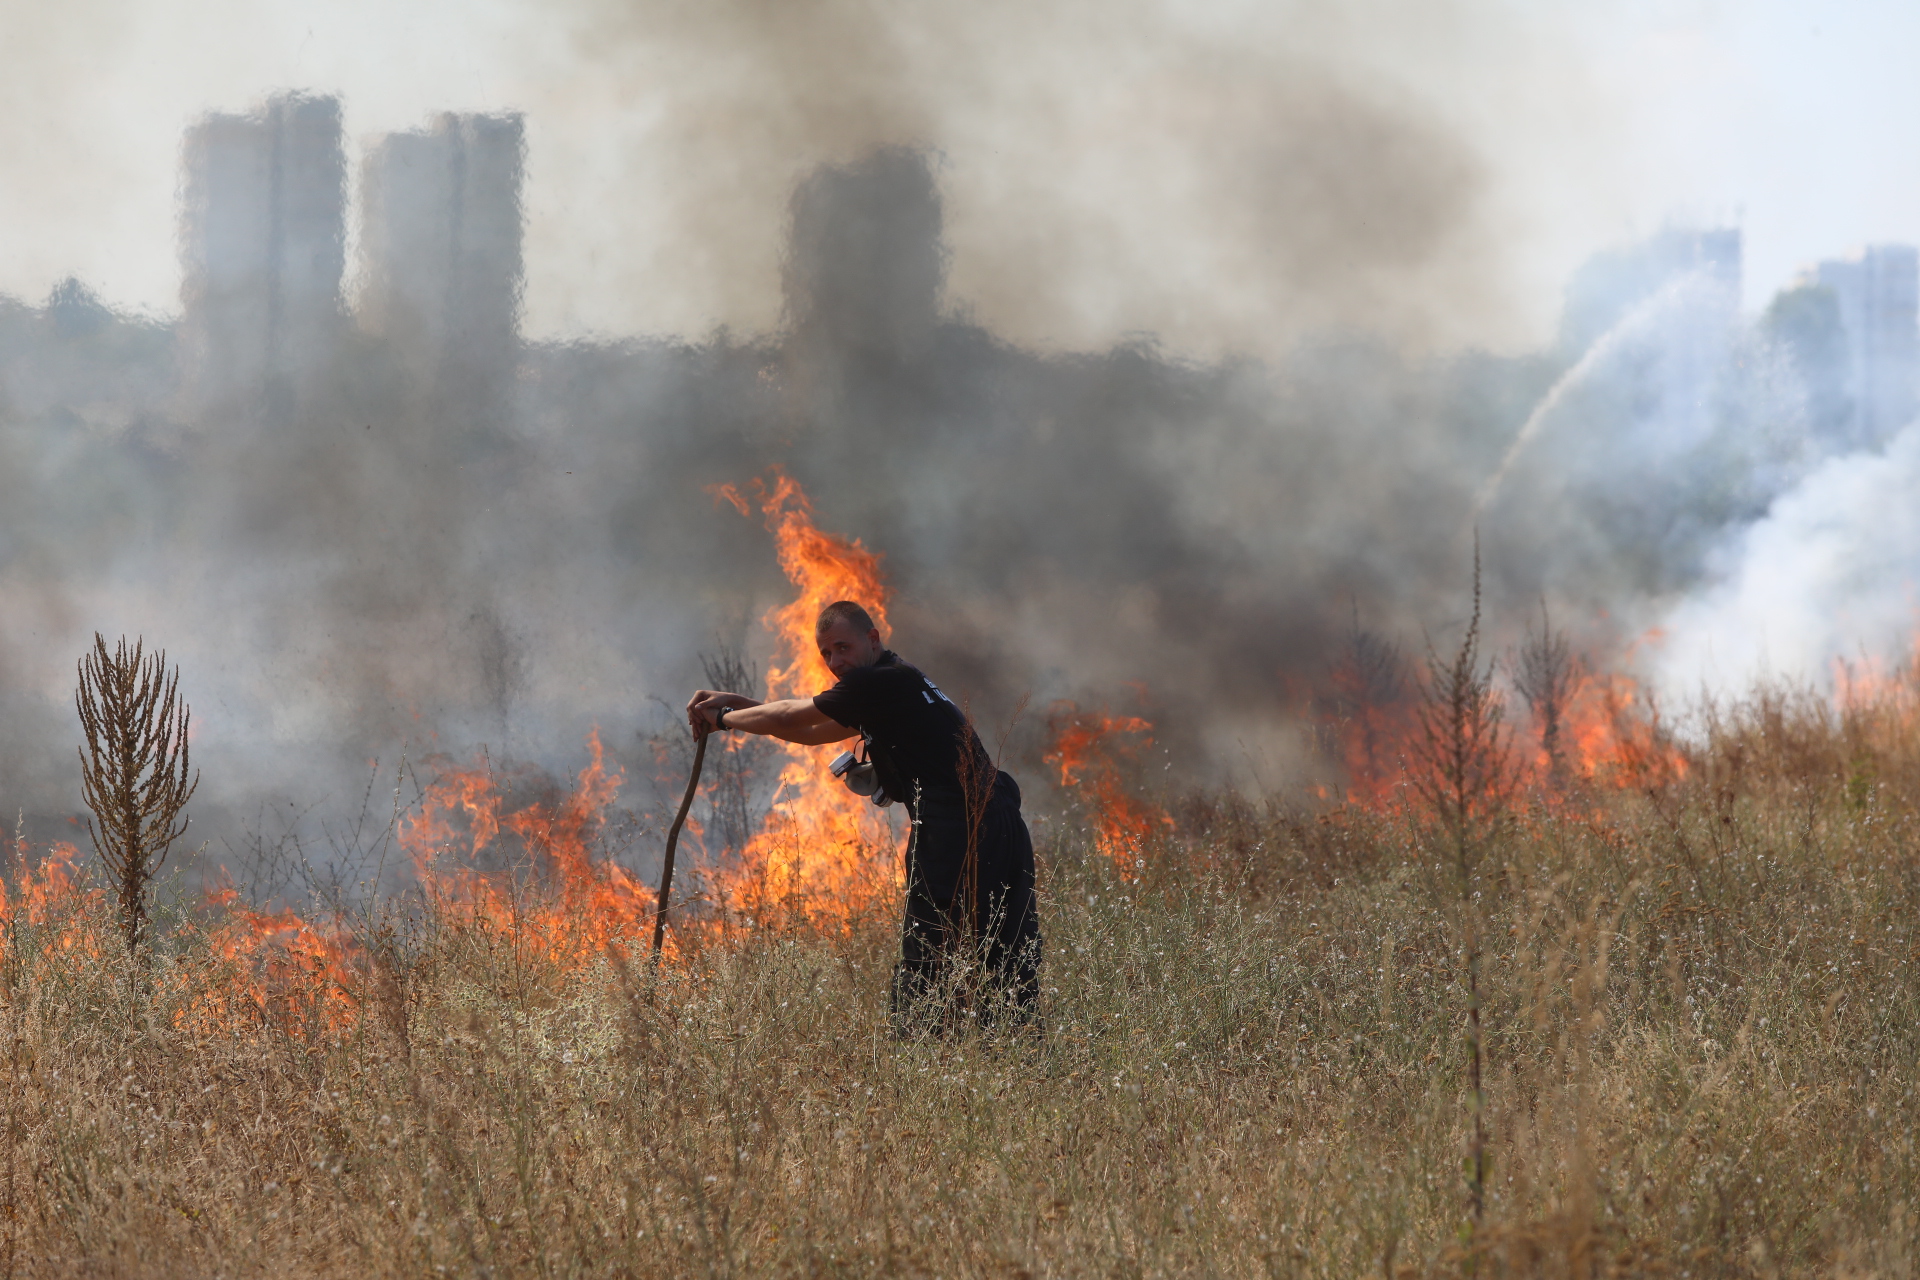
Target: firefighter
[{"x": 969, "y": 855}]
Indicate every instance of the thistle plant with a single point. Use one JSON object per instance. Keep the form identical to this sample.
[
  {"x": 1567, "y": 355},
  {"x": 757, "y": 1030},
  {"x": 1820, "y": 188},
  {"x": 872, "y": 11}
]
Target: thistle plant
[{"x": 133, "y": 768}]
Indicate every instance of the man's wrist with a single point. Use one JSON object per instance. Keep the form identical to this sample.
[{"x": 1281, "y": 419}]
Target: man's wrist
[{"x": 720, "y": 717}]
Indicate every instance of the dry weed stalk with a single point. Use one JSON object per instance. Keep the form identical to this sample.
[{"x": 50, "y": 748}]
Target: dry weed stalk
[
  {"x": 1370, "y": 686},
  {"x": 1545, "y": 676},
  {"x": 16, "y": 1044},
  {"x": 735, "y": 772},
  {"x": 133, "y": 770},
  {"x": 1464, "y": 776}
]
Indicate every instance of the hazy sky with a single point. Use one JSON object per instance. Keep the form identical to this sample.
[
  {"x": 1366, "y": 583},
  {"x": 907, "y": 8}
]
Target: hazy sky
[{"x": 1223, "y": 172}]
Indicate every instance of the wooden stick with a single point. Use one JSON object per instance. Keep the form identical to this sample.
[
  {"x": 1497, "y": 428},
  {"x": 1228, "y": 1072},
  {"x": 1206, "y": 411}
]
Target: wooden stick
[{"x": 673, "y": 840}]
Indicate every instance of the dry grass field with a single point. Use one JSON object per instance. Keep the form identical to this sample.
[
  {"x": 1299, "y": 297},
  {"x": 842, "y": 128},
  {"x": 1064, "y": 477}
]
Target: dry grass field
[{"x": 1700, "y": 1038}]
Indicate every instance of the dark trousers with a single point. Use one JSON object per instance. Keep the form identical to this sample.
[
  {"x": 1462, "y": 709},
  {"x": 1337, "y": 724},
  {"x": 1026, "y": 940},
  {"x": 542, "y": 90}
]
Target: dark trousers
[{"x": 985, "y": 913}]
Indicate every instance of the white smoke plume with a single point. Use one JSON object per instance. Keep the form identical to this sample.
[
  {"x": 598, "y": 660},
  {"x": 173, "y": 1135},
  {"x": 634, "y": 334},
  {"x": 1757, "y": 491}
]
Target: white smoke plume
[{"x": 1830, "y": 574}]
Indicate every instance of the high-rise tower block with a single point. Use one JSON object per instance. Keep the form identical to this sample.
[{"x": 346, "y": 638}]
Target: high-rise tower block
[
  {"x": 262, "y": 247},
  {"x": 442, "y": 250}
]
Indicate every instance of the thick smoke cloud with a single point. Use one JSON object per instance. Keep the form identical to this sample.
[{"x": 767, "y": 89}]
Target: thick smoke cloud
[
  {"x": 378, "y": 519},
  {"x": 1103, "y": 159},
  {"x": 401, "y": 527},
  {"x": 346, "y": 547}
]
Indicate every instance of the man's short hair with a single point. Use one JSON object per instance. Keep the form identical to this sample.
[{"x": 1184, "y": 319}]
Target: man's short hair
[{"x": 844, "y": 610}]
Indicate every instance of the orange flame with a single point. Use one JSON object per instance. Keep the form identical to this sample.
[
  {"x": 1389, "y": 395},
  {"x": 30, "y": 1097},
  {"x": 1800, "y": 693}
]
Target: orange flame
[
  {"x": 1609, "y": 734},
  {"x": 1876, "y": 697},
  {"x": 567, "y": 911},
  {"x": 1613, "y": 736},
  {"x": 814, "y": 857},
  {"x": 573, "y": 909},
  {"x": 1374, "y": 722},
  {"x": 1092, "y": 751},
  {"x": 54, "y": 895},
  {"x": 295, "y": 972}
]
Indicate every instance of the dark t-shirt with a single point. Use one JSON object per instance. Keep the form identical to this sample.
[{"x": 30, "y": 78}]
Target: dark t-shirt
[{"x": 913, "y": 731}]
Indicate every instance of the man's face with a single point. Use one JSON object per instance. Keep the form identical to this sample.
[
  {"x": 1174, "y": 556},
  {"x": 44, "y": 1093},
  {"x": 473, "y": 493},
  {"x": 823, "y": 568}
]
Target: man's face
[{"x": 843, "y": 647}]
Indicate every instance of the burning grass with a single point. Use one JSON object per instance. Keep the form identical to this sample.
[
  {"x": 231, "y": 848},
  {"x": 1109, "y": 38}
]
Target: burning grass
[
  {"x": 1692, "y": 972},
  {"x": 1699, "y": 1034}
]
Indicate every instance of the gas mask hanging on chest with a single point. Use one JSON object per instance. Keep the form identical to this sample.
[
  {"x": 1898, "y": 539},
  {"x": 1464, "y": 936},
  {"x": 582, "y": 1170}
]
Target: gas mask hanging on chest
[{"x": 860, "y": 776}]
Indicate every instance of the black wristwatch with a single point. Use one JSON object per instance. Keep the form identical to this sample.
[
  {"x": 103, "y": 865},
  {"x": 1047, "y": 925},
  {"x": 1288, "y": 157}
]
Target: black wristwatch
[{"x": 720, "y": 718}]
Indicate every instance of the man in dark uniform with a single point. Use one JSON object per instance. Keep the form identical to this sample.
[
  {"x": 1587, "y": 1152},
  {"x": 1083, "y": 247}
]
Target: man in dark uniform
[{"x": 969, "y": 857}]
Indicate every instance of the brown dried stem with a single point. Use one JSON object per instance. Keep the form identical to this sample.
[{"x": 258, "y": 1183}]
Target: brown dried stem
[
  {"x": 1465, "y": 778},
  {"x": 1545, "y": 677},
  {"x": 133, "y": 769}
]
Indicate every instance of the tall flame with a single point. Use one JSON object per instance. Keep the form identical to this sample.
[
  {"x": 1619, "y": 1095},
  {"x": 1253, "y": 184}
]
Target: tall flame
[{"x": 814, "y": 859}]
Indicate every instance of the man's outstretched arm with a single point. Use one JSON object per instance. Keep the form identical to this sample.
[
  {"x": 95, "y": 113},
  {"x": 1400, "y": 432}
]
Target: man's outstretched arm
[{"x": 791, "y": 719}]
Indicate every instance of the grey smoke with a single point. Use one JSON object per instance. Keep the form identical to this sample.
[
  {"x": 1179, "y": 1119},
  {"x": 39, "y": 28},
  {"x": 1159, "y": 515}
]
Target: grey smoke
[{"x": 373, "y": 518}]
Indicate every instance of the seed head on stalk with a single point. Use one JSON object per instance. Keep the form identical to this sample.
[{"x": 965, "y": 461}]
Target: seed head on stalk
[{"x": 133, "y": 768}]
